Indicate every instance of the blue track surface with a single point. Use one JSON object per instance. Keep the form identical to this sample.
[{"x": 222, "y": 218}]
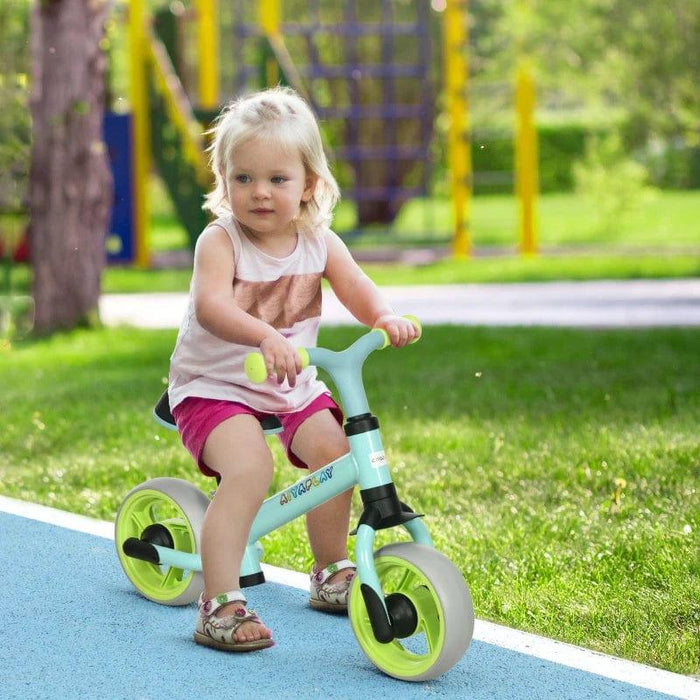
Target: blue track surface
[{"x": 73, "y": 627}]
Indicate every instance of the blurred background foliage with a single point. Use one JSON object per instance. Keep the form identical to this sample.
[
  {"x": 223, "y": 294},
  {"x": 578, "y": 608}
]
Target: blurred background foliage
[
  {"x": 617, "y": 72},
  {"x": 14, "y": 98}
]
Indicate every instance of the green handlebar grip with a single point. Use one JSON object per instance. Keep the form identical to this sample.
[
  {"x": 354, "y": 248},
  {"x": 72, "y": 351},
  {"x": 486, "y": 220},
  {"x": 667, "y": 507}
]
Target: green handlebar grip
[
  {"x": 408, "y": 317},
  {"x": 256, "y": 369},
  {"x": 417, "y": 324}
]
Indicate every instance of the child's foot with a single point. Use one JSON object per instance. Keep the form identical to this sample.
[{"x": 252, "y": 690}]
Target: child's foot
[
  {"x": 224, "y": 623},
  {"x": 330, "y": 587}
]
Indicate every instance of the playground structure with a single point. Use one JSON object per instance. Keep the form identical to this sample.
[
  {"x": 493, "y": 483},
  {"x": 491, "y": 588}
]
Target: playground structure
[{"x": 375, "y": 74}]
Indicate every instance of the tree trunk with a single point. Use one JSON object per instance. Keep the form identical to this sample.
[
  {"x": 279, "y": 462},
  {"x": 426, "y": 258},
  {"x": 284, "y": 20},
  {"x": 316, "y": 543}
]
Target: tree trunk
[{"x": 70, "y": 178}]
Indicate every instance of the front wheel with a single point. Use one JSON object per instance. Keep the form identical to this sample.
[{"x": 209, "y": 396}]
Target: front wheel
[
  {"x": 168, "y": 512},
  {"x": 444, "y": 613}
]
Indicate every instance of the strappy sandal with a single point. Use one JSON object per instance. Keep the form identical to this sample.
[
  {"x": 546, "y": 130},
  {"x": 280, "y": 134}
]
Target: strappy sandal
[
  {"x": 331, "y": 597},
  {"x": 218, "y": 632}
]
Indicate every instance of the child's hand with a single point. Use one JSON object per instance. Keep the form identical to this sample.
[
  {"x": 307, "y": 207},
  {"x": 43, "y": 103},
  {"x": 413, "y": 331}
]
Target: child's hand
[
  {"x": 401, "y": 331},
  {"x": 281, "y": 358}
]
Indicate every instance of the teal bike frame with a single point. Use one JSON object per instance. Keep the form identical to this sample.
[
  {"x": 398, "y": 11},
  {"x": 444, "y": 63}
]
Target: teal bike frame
[{"x": 365, "y": 465}]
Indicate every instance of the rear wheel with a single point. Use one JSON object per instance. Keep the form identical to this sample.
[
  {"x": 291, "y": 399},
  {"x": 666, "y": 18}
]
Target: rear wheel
[
  {"x": 426, "y": 587},
  {"x": 169, "y": 513}
]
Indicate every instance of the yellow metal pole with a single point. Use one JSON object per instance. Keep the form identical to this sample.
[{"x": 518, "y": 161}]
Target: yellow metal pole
[
  {"x": 270, "y": 16},
  {"x": 208, "y": 47},
  {"x": 456, "y": 38},
  {"x": 270, "y": 19},
  {"x": 526, "y": 159},
  {"x": 140, "y": 150}
]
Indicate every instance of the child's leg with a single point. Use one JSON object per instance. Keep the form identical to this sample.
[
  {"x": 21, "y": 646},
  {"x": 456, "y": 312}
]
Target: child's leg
[
  {"x": 318, "y": 441},
  {"x": 237, "y": 450}
]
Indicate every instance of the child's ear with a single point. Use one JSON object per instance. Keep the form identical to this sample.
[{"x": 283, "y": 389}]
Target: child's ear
[{"x": 311, "y": 182}]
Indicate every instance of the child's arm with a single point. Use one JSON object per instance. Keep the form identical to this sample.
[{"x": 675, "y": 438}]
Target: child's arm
[
  {"x": 217, "y": 312},
  {"x": 360, "y": 295}
]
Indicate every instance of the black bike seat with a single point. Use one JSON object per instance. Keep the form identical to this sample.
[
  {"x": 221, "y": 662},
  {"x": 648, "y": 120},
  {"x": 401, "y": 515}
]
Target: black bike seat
[{"x": 162, "y": 414}]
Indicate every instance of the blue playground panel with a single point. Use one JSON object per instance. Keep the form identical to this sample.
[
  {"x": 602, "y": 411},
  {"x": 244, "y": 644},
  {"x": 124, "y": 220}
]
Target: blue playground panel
[
  {"x": 120, "y": 236},
  {"x": 74, "y": 627}
]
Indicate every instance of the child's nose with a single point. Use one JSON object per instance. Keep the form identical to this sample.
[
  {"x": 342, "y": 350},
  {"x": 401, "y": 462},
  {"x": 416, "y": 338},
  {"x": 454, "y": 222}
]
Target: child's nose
[{"x": 261, "y": 190}]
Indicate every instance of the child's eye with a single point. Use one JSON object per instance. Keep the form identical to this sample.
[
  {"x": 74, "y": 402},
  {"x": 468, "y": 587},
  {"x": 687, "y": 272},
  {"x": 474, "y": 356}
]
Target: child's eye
[
  {"x": 278, "y": 179},
  {"x": 242, "y": 179}
]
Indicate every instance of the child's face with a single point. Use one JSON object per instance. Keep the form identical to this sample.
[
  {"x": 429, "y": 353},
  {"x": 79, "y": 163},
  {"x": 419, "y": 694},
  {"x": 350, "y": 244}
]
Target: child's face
[{"x": 267, "y": 185}]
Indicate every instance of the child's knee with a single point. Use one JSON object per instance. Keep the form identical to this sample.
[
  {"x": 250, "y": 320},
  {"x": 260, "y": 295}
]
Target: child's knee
[
  {"x": 256, "y": 468},
  {"x": 328, "y": 450}
]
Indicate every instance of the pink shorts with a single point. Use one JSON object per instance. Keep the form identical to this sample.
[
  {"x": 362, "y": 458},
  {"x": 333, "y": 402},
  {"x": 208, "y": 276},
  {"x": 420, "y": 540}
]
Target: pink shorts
[{"x": 197, "y": 417}]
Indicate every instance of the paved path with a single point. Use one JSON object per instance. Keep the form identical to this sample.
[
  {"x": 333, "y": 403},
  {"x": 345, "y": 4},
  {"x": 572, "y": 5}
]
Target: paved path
[
  {"x": 604, "y": 304},
  {"x": 73, "y": 627}
]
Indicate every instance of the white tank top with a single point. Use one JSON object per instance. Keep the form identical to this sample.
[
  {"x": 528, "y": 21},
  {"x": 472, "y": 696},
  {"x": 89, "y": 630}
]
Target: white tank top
[{"x": 284, "y": 292}]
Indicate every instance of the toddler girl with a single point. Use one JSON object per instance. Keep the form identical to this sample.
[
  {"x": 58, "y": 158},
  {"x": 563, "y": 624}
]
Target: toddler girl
[{"x": 256, "y": 284}]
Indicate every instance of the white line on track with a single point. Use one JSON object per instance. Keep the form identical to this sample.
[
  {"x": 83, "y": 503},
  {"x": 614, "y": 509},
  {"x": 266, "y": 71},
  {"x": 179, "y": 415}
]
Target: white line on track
[{"x": 686, "y": 687}]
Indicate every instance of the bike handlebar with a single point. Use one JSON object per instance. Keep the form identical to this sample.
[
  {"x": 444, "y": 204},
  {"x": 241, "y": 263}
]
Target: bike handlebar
[{"x": 256, "y": 370}]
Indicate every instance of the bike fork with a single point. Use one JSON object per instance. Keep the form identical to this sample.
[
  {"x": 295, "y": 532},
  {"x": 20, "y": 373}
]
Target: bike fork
[{"x": 389, "y": 616}]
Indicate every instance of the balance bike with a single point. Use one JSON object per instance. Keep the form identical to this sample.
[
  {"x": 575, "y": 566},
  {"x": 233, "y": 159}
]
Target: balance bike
[{"x": 409, "y": 606}]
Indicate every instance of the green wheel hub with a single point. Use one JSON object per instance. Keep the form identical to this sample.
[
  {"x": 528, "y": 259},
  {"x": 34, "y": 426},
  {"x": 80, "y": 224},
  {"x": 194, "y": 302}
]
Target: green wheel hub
[
  {"x": 415, "y": 655},
  {"x": 140, "y": 510}
]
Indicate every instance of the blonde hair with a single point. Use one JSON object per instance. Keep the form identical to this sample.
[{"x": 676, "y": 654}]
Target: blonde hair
[{"x": 281, "y": 116}]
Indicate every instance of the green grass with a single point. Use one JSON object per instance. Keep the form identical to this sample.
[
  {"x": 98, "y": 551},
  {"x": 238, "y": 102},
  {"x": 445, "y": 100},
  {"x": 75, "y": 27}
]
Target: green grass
[
  {"x": 449, "y": 271},
  {"x": 663, "y": 219},
  {"x": 658, "y": 240},
  {"x": 537, "y": 269},
  {"x": 558, "y": 468},
  {"x": 484, "y": 270}
]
